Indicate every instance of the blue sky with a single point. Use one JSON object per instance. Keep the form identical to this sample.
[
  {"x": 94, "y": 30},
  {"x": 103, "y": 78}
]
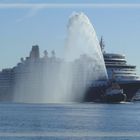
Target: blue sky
[{"x": 22, "y": 26}]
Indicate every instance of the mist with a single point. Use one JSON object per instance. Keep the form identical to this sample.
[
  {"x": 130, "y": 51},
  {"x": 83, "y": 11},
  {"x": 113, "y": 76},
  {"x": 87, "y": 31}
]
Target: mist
[{"x": 54, "y": 80}]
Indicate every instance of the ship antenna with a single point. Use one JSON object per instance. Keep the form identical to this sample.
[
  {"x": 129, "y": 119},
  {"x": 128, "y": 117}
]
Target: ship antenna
[{"x": 102, "y": 45}]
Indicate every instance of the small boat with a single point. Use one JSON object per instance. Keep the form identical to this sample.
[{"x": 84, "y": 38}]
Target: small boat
[{"x": 114, "y": 94}]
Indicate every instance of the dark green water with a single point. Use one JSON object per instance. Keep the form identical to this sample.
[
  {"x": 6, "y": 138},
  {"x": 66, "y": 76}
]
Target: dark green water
[{"x": 70, "y": 121}]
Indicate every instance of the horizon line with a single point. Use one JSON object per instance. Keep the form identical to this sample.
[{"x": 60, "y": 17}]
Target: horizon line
[{"x": 68, "y": 5}]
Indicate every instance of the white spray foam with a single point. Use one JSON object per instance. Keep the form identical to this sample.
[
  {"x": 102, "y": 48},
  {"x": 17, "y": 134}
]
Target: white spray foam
[{"x": 66, "y": 81}]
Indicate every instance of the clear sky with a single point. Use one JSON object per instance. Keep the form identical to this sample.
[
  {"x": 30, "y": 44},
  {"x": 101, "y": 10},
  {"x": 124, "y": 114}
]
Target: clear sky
[{"x": 25, "y": 23}]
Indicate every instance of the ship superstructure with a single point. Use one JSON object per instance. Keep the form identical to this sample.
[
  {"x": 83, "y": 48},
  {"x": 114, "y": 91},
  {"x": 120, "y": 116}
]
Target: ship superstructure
[
  {"x": 34, "y": 76},
  {"x": 27, "y": 75}
]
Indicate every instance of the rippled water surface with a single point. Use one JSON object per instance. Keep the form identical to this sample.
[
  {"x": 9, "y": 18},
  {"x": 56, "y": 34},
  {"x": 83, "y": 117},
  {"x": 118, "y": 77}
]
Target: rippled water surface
[{"x": 70, "y": 121}]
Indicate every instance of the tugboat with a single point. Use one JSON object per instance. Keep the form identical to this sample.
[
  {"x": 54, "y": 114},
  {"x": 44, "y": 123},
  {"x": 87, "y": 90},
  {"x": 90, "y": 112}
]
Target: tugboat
[{"x": 114, "y": 94}]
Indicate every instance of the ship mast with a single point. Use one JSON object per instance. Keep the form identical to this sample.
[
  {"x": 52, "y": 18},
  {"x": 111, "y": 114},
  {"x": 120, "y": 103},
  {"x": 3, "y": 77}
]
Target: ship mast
[{"x": 102, "y": 45}]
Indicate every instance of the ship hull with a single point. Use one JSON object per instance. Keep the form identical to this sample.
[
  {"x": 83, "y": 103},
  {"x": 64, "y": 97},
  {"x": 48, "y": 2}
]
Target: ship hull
[
  {"x": 95, "y": 93},
  {"x": 130, "y": 89}
]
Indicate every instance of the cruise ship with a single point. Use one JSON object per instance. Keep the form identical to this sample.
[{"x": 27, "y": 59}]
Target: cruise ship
[
  {"x": 119, "y": 71},
  {"x": 116, "y": 66}
]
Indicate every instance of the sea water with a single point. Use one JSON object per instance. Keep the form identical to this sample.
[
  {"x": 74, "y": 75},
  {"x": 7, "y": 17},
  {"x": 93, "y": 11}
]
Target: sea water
[{"x": 70, "y": 121}]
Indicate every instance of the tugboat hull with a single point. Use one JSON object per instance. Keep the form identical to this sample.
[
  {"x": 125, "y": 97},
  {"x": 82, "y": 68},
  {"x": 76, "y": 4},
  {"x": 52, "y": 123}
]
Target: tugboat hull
[{"x": 114, "y": 98}]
